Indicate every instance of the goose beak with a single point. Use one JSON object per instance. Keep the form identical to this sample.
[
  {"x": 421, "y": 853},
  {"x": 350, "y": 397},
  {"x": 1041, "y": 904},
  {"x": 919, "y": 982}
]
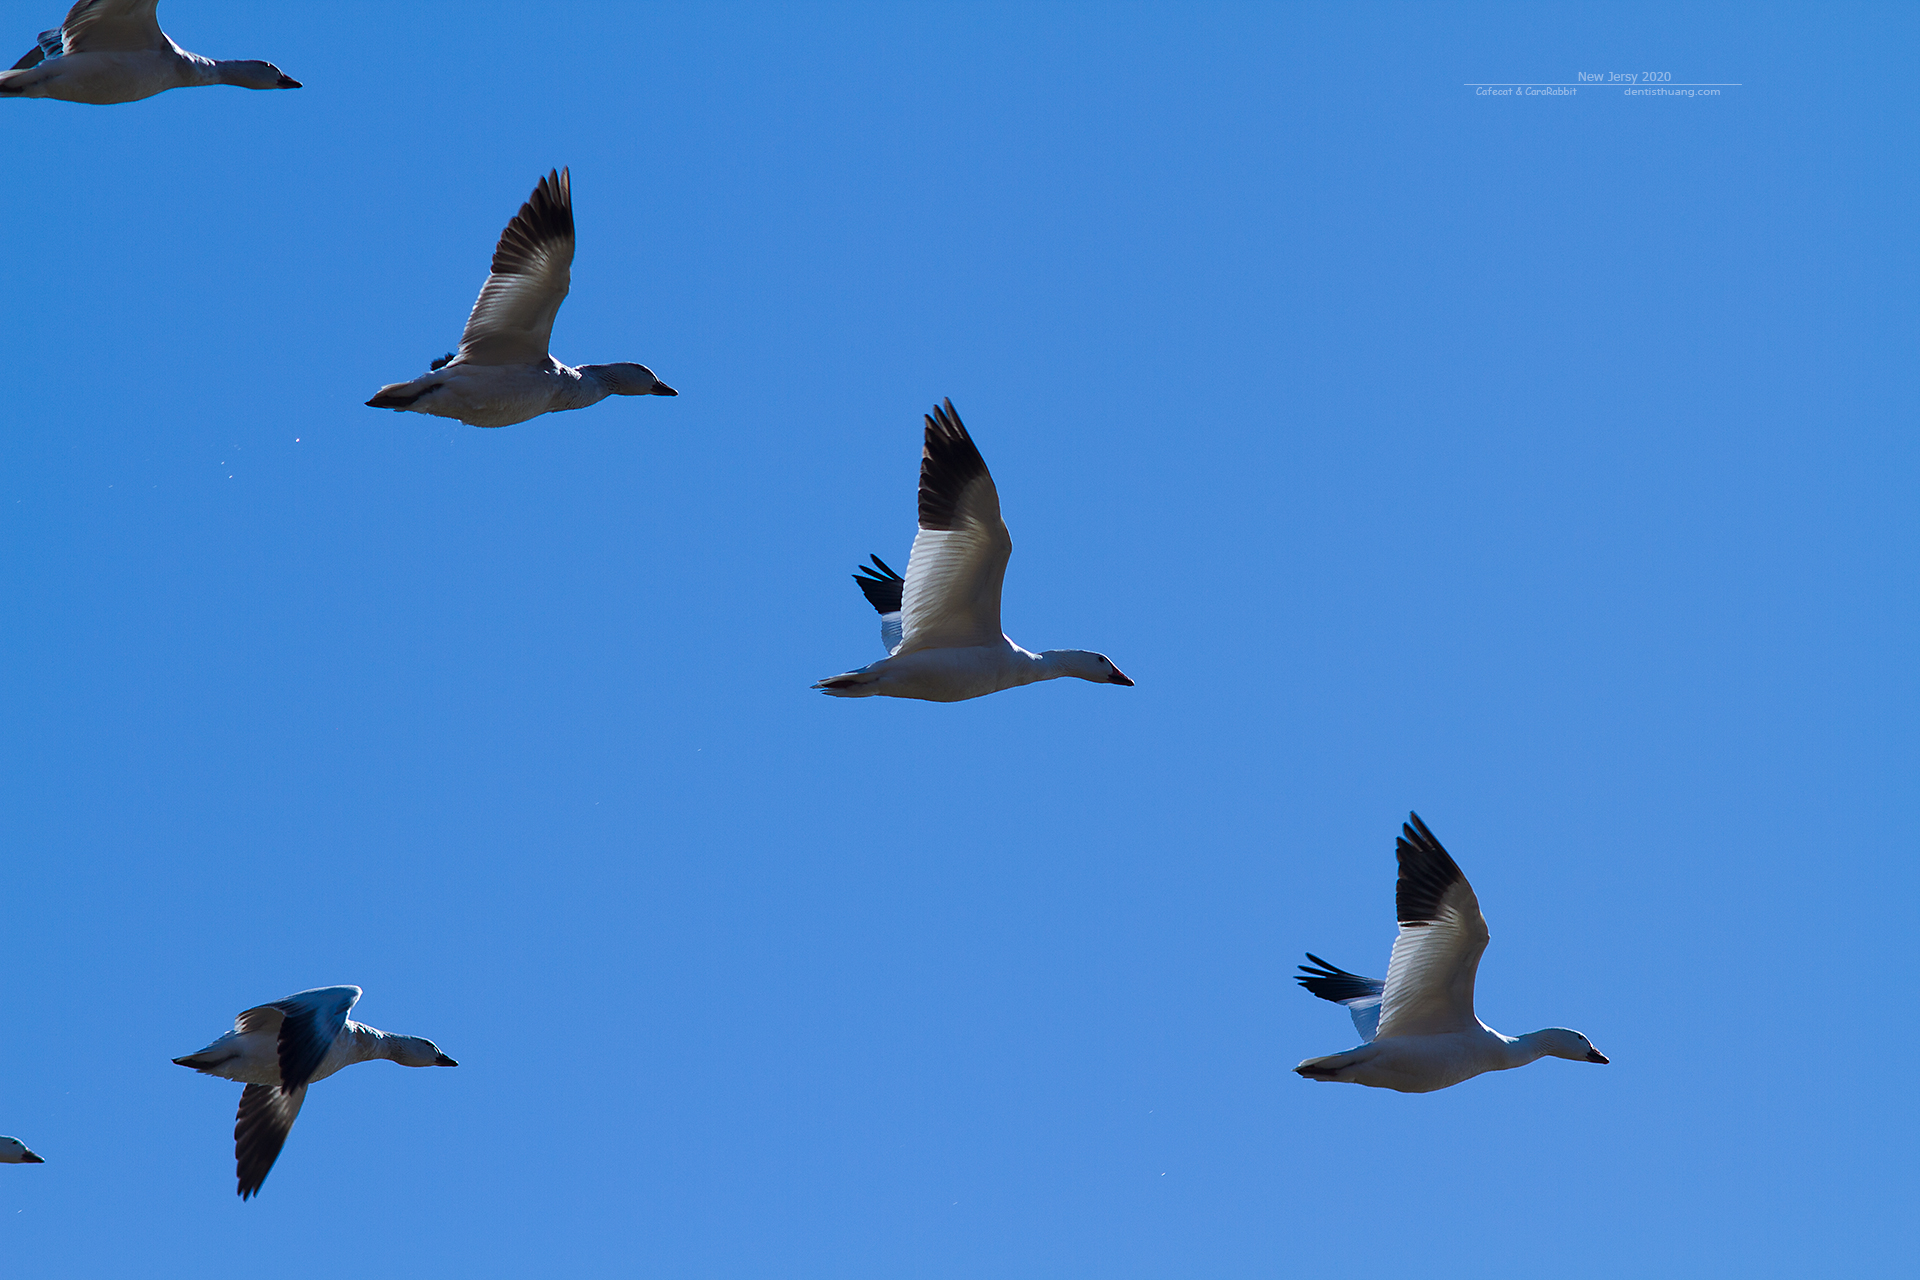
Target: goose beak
[
  {"x": 1120, "y": 678},
  {"x": 444, "y": 1061},
  {"x": 1594, "y": 1055},
  {"x": 662, "y": 389},
  {"x": 31, "y": 1158},
  {"x": 287, "y": 82}
]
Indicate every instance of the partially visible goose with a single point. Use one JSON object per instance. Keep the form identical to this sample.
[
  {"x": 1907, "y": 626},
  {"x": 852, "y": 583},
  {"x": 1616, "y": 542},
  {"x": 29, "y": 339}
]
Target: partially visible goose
[
  {"x": 941, "y": 623},
  {"x": 14, "y": 1151},
  {"x": 114, "y": 51},
  {"x": 1419, "y": 1024},
  {"x": 502, "y": 373},
  {"x": 278, "y": 1049}
]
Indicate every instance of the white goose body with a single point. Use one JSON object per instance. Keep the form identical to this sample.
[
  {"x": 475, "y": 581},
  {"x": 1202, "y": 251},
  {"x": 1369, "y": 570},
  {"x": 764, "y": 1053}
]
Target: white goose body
[
  {"x": 279, "y": 1049},
  {"x": 113, "y": 51},
  {"x": 501, "y": 395},
  {"x": 503, "y": 373},
  {"x": 1420, "y": 1029},
  {"x": 954, "y": 675},
  {"x": 941, "y": 622}
]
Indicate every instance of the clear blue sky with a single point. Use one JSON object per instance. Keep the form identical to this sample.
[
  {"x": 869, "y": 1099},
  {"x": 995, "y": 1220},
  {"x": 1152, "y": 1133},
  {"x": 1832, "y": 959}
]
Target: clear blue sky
[{"x": 1546, "y": 465}]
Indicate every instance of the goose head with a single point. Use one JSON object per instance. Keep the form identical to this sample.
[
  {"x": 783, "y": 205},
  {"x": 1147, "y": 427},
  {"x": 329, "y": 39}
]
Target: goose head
[
  {"x": 628, "y": 379},
  {"x": 14, "y": 1151},
  {"x": 1086, "y": 665},
  {"x": 417, "y": 1051},
  {"x": 254, "y": 74},
  {"x": 1559, "y": 1042}
]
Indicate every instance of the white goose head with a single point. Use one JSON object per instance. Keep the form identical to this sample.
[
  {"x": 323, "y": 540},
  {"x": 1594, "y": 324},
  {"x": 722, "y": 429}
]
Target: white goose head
[
  {"x": 627, "y": 379},
  {"x": 1559, "y": 1042},
  {"x": 14, "y": 1151},
  {"x": 251, "y": 73},
  {"x": 416, "y": 1051},
  {"x": 1086, "y": 665}
]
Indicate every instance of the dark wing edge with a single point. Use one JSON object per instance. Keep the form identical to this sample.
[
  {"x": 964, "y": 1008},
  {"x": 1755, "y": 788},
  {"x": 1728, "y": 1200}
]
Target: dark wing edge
[
  {"x": 883, "y": 587},
  {"x": 949, "y": 462},
  {"x": 267, "y": 1113},
  {"x": 1427, "y": 871},
  {"x": 1330, "y": 982},
  {"x": 546, "y": 217}
]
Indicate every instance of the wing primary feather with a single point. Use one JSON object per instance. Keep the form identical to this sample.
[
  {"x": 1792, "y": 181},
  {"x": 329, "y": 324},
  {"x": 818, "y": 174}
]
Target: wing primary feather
[
  {"x": 883, "y": 588},
  {"x": 949, "y": 462},
  {"x": 1330, "y": 982},
  {"x": 1427, "y": 871},
  {"x": 266, "y": 1116},
  {"x": 546, "y": 217}
]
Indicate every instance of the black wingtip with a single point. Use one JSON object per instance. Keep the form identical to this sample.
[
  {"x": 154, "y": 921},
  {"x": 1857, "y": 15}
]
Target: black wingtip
[
  {"x": 1427, "y": 871},
  {"x": 547, "y": 216},
  {"x": 884, "y": 589},
  {"x": 1331, "y": 982},
  {"x": 949, "y": 462}
]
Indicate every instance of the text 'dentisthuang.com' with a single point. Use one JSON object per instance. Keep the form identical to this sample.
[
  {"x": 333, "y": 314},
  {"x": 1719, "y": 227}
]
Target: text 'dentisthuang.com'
[{"x": 1629, "y": 84}]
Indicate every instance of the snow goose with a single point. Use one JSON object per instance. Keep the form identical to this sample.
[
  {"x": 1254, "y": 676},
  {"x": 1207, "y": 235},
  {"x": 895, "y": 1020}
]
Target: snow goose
[
  {"x": 114, "y": 51},
  {"x": 14, "y": 1151},
  {"x": 278, "y": 1049},
  {"x": 941, "y": 623},
  {"x": 1419, "y": 1026},
  {"x": 502, "y": 373}
]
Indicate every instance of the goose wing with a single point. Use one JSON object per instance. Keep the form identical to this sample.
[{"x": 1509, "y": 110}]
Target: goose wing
[
  {"x": 883, "y": 589},
  {"x": 267, "y": 1113},
  {"x": 952, "y": 593},
  {"x": 48, "y": 44},
  {"x": 1429, "y": 988},
  {"x": 512, "y": 321},
  {"x": 1360, "y": 995},
  {"x": 310, "y": 1022},
  {"x": 112, "y": 26}
]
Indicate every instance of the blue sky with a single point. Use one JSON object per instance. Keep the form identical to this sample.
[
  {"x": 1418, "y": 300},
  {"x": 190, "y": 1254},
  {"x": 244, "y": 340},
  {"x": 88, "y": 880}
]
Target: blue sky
[{"x": 1544, "y": 465}]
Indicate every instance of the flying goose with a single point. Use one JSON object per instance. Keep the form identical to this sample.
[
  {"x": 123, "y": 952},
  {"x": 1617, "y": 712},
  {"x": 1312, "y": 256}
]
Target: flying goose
[
  {"x": 1419, "y": 1026},
  {"x": 941, "y": 623},
  {"x": 278, "y": 1049},
  {"x": 114, "y": 51},
  {"x": 502, "y": 373},
  {"x": 14, "y": 1151}
]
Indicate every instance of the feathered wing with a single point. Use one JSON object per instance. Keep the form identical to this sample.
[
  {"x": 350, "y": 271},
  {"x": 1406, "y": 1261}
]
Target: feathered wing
[
  {"x": 113, "y": 26},
  {"x": 512, "y": 321},
  {"x": 50, "y": 44},
  {"x": 883, "y": 589},
  {"x": 267, "y": 1113},
  {"x": 959, "y": 561},
  {"x": 311, "y": 1021},
  {"x": 1361, "y": 996},
  {"x": 1429, "y": 989}
]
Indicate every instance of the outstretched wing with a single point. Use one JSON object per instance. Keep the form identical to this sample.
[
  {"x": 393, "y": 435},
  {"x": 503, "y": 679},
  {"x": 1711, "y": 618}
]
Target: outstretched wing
[
  {"x": 112, "y": 26},
  {"x": 1429, "y": 987},
  {"x": 1360, "y": 995},
  {"x": 311, "y": 1022},
  {"x": 267, "y": 1113},
  {"x": 952, "y": 593},
  {"x": 883, "y": 589},
  {"x": 512, "y": 321}
]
